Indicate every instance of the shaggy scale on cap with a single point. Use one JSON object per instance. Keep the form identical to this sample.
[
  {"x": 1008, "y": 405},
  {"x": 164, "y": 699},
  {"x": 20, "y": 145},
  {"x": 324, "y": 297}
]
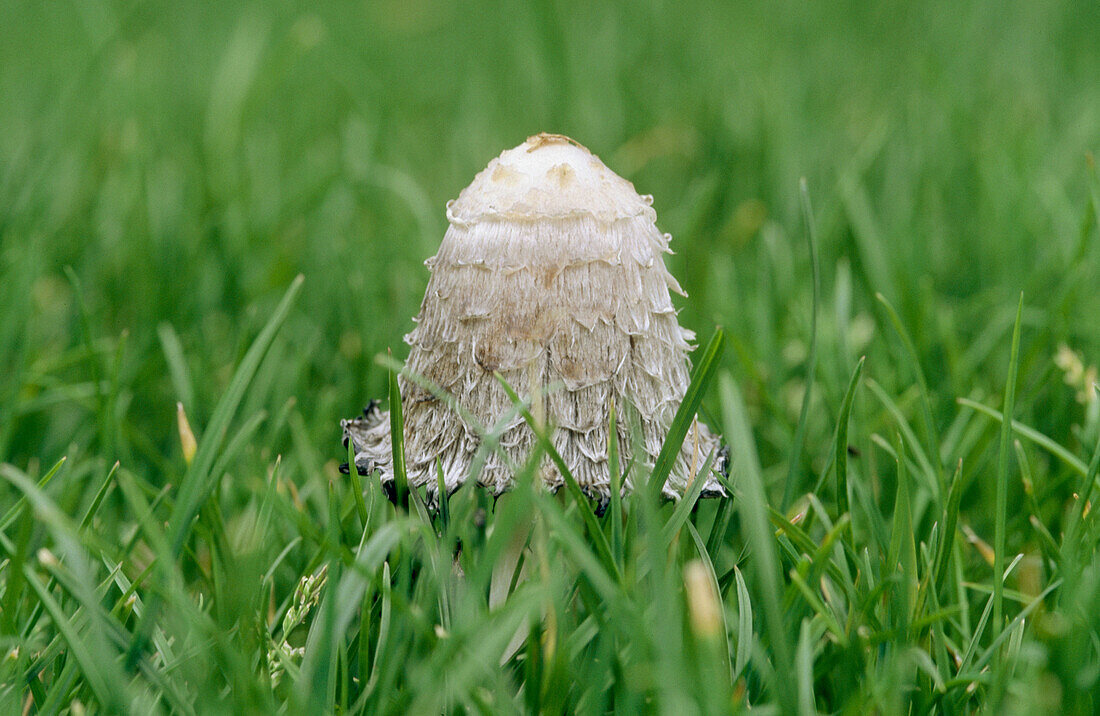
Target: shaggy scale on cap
[{"x": 552, "y": 274}]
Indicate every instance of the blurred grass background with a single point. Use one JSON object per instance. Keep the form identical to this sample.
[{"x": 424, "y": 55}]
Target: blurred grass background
[
  {"x": 166, "y": 169},
  {"x": 188, "y": 160}
]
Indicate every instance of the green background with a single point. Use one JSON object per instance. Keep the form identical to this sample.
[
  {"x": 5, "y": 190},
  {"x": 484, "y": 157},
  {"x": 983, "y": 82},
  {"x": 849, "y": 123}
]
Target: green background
[
  {"x": 187, "y": 160},
  {"x": 167, "y": 169}
]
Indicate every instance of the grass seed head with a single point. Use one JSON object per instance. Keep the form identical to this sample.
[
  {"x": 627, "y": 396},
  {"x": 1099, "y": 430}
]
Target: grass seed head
[{"x": 704, "y": 609}]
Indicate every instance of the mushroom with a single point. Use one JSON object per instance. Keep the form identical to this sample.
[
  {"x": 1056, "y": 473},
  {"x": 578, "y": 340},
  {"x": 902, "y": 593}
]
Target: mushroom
[{"x": 551, "y": 274}]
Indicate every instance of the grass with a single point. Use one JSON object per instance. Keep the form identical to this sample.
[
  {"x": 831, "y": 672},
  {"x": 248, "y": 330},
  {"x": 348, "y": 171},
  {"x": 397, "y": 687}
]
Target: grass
[{"x": 166, "y": 172}]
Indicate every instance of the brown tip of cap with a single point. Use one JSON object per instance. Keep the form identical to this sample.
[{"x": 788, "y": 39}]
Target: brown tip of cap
[{"x": 542, "y": 138}]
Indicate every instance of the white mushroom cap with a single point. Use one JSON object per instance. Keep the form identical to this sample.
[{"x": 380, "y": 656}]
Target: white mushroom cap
[
  {"x": 552, "y": 274},
  {"x": 548, "y": 177}
]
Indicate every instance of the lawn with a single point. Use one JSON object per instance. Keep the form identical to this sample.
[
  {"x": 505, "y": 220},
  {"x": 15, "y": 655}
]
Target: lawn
[{"x": 213, "y": 222}]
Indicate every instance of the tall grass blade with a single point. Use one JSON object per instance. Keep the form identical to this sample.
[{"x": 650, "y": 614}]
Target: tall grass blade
[
  {"x": 928, "y": 422},
  {"x": 744, "y": 624},
  {"x": 196, "y": 483},
  {"x": 1077, "y": 514},
  {"x": 616, "y": 477},
  {"x": 794, "y": 458},
  {"x": 603, "y": 549},
  {"x": 397, "y": 445},
  {"x": 869, "y": 242},
  {"x": 753, "y": 508},
  {"x": 92, "y": 649},
  {"x": 1033, "y": 435},
  {"x": 804, "y": 671},
  {"x": 841, "y": 451},
  {"x": 685, "y": 414},
  {"x": 687, "y": 503},
  {"x": 901, "y": 557},
  {"x": 950, "y": 528},
  {"x": 1001, "y": 509},
  {"x": 177, "y": 365},
  {"x": 13, "y": 511}
]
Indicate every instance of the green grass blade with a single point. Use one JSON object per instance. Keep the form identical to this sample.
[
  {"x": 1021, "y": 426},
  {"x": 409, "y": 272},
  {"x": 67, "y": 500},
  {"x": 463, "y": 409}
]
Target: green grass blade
[
  {"x": 719, "y": 526},
  {"x": 744, "y": 624},
  {"x": 685, "y": 414},
  {"x": 616, "y": 477},
  {"x": 869, "y": 242},
  {"x": 603, "y": 549},
  {"x": 950, "y": 528},
  {"x": 804, "y": 671},
  {"x": 1031, "y": 434},
  {"x": 240, "y": 440},
  {"x": 384, "y": 624},
  {"x": 177, "y": 365},
  {"x": 819, "y": 608},
  {"x": 928, "y": 422},
  {"x": 907, "y": 432},
  {"x": 92, "y": 649},
  {"x": 93, "y": 357},
  {"x": 794, "y": 459},
  {"x": 753, "y": 508},
  {"x": 344, "y": 595},
  {"x": 602, "y": 579},
  {"x": 357, "y": 489},
  {"x": 1077, "y": 514},
  {"x": 841, "y": 451},
  {"x": 102, "y": 677},
  {"x": 991, "y": 650},
  {"x": 687, "y": 503},
  {"x": 442, "y": 497},
  {"x": 196, "y": 483},
  {"x": 13, "y": 511},
  {"x": 901, "y": 555},
  {"x": 97, "y": 500},
  {"x": 704, "y": 557},
  {"x": 1001, "y": 513},
  {"x": 397, "y": 444}
]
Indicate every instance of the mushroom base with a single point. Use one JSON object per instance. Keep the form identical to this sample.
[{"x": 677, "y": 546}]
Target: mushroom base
[{"x": 369, "y": 436}]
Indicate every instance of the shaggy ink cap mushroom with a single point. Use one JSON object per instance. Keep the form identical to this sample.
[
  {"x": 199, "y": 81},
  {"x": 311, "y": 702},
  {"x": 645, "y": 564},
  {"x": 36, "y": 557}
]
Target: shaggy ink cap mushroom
[{"x": 551, "y": 273}]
